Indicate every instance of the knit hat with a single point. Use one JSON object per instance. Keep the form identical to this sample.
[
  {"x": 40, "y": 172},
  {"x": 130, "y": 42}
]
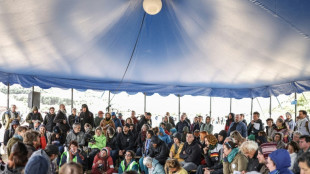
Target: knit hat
[
  {"x": 52, "y": 149},
  {"x": 120, "y": 114},
  {"x": 267, "y": 148},
  {"x": 251, "y": 137},
  {"x": 56, "y": 130},
  {"x": 223, "y": 133},
  {"x": 34, "y": 108},
  {"x": 127, "y": 125},
  {"x": 177, "y": 135},
  {"x": 36, "y": 164},
  {"x": 211, "y": 139},
  {"x": 113, "y": 114},
  {"x": 155, "y": 140}
]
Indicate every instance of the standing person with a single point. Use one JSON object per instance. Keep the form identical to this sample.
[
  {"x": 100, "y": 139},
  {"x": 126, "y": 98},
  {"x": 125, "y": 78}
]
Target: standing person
[
  {"x": 49, "y": 120},
  {"x": 290, "y": 122},
  {"x": 170, "y": 119},
  {"x": 33, "y": 116},
  {"x": 98, "y": 119},
  {"x": 73, "y": 118},
  {"x": 167, "y": 124},
  {"x": 270, "y": 129},
  {"x": 181, "y": 124},
  {"x": 230, "y": 119},
  {"x": 145, "y": 120},
  {"x": 242, "y": 119},
  {"x": 256, "y": 125},
  {"x": 191, "y": 153},
  {"x": 129, "y": 163},
  {"x": 9, "y": 116},
  {"x": 10, "y": 132},
  {"x": 303, "y": 124},
  {"x": 134, "y": 118},
  {"x": 120, "y": 117},
  {"x": 117, "y": 122},
  {"x": 239, "y": 126},
  {"x": 86, "y": 117},
  {"x": 61, "y": 120},
  {"x": 107, "y": 122},
  {"x": 195, "y": 125},
  {"x": 279, "y": 161}
]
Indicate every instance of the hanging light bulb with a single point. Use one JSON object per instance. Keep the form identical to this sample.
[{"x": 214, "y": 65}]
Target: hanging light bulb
[{"x": 152, "y": 7}]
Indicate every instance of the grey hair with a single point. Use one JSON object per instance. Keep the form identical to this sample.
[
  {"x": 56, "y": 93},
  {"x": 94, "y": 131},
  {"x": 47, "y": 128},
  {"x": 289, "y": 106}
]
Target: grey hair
[
  {"x": 147, "y": 160},
  {"x": 288, "y": 114},
  {"x": 248, "y": 146},
  {"x": 75, "y": 125}
]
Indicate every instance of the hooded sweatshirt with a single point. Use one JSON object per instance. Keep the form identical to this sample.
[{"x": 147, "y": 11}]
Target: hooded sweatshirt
[
  {"x": 164, "y": 137},
  {"x": 282, "y": 160},
  {"x": 33, "y": 116},
  {"x": 160, "y": 152},
  {"x": 106, "y": 164}
]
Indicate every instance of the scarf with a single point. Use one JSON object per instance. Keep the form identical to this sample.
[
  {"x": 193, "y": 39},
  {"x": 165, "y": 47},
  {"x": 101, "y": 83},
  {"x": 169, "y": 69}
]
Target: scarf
[
  {"x": 18, "y": 137},
  {"x": 232, "y": 155}
]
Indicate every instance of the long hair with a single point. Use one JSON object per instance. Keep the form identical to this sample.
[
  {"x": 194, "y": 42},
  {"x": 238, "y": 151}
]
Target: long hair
[{"x": 19, "y": 155}]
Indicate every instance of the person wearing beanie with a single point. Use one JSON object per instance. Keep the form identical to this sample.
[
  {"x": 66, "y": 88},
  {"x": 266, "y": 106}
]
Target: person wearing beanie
[
  {"x": 176, "y": 147},
  {"x": 8, "y": 134},
  {"x": 222, "y": 136},
  {"x": 50, "y": 153},
  {"x": 103, "y": 162},
  {"x": 86, "y": 117},
  {"x": 33, "y": 116},
  {"x": 17, "y": 137},
  {"x": 37, "y": 164},
  {"x": 279, "y": 161},
  {"x": 117, "y": 122}
]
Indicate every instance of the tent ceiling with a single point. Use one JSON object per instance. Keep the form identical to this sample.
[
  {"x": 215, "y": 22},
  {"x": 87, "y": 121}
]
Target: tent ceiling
[{"x": 241, "y": 48}]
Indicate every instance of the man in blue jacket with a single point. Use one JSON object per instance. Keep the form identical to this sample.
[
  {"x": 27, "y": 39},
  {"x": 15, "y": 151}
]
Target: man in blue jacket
[
  {"x": 239, "y": 126},
  {"x": 117, "y": 121}
]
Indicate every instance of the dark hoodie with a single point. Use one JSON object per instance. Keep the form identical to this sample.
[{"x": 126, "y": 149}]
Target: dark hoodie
[
  {"x": 192, "y": 153},
  {"x": 229, "y": 121},
  {"x": 282, "y": 160},
  {"x": 280, "y": 144},
  {"x": 86, "y": 117},
  {"x": 8, "y": 134},
  {"x": 223, "y": 133},
  {"x": 253, "y": 164},
  {"x": 252, "y": 130},
  {"x": 160, "y": 152},
  {"x": 60, "y": 117},
  {"x": 33, "y": 116}
]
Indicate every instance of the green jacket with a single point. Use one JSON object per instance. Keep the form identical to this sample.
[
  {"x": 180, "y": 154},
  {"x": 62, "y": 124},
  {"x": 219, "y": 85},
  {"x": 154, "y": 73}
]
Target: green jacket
[
  {"x": 100, "y": 142},
  {"x": 11, "y": 142},
  {"x": 239, "y": 163}
]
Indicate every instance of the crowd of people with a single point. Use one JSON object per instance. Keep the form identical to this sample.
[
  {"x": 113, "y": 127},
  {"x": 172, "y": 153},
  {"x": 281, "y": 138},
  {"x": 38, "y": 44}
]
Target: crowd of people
[{"x": 79, "y": 142}]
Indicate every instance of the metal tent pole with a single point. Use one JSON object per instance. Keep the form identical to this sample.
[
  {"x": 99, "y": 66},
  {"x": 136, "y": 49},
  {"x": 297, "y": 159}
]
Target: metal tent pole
[
  {"x": 210, "y": 105},
  {"x": 144, "y": 102},
  {"x": 71, "y": 98},
  {"x": 251, "y": 108},
  {"x": 179, "y": 106},
  {"x": 8, "y": 97},
  {"x": 230, "y": 105},
  {"x": 295, "y": 106},
  {"x": 270, "y": 107},
  {"x": 109, "y": 101}
]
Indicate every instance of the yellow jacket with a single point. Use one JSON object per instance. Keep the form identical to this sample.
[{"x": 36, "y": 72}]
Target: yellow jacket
[{"x": 177, "y": 155}]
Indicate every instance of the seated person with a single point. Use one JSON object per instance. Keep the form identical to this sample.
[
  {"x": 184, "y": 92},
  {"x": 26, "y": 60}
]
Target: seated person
[
  {"x": 125, "y": 140},
  {"x": 89, "y": 133},
  {"x": 99, "y": 143},
  {"x": 129, "y": 163},
  {"x": 173, "y": 166},
  {"x": 73, "y": 154},
  {"x": 304, "y": 163},
  {"x": 112, "y": 143},
  {"x": 191, "y": 153},
  {"x": 76, "y": 135},
  {"x": 153, "y": 166},
  {"x": 163, "y": 136},
  {"x": 279, "y": 161},
  {"x": 177, "y": 147},
  {"x": 103, "y": 162}
]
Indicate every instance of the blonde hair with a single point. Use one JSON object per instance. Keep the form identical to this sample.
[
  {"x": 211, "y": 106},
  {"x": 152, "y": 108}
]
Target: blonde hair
[
  {"x": 237, "y": 136},
  {"x": 172, "y": 163},
  {"x": 248, "y": 146},
  {"x": 71, "y": 168}
]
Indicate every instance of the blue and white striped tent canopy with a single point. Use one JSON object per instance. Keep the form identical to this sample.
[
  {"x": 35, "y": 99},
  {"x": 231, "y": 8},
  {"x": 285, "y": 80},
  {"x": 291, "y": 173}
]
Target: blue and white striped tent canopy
[{"x": 239, "y": 48}]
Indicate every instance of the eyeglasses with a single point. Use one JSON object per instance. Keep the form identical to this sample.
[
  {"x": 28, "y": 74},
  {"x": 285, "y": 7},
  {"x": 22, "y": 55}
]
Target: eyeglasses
[{"x": 127, "y": 154}]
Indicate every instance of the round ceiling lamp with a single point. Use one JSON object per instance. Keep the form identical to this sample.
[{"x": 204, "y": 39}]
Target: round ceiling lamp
[{"x": 152, "y": 7}]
